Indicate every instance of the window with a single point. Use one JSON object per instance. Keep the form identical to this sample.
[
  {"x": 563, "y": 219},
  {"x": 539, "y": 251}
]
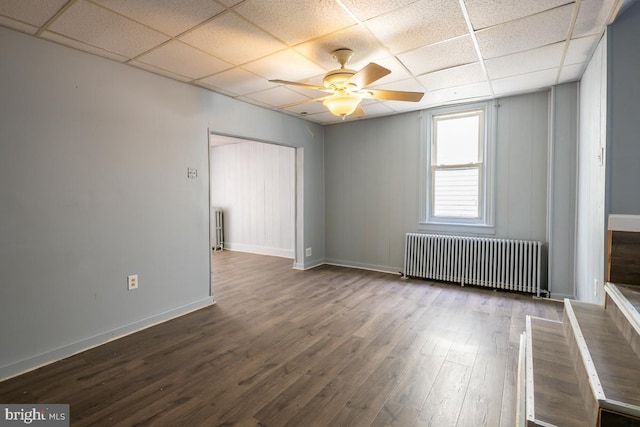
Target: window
[{"x": 458, "y": 178}]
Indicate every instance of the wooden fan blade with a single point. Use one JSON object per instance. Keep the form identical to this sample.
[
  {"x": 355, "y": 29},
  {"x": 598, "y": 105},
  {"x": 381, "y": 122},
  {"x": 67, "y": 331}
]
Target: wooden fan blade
[
  {"x": 394, "y": 95},
  {"x": 368, "y": 75},
  {"x": 306, "y": 101},
  {"x": 359, "y": 112},
  {"x": 308, "y": 86}
]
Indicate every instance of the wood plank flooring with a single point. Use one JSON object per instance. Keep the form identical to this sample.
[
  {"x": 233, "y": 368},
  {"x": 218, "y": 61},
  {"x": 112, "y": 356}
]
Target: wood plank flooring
[
  {"x": 557, "y": 396},
  {"x": 330, "y": 346}
]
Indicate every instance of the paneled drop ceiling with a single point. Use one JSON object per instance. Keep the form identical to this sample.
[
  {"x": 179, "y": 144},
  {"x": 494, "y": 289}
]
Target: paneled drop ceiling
[{"x": 453, "y": 50}]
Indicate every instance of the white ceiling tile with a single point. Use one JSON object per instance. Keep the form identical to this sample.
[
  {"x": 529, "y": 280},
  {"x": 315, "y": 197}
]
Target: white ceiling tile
[
  {"x": 17, "y": 25},
  {"x": 328, "y": 118},
  {"x": 232, "y": 38},
  {"x": 399, "y": 106},
  {"x": 580, "y": 50},
  {"x": 169, "y": 16},
  {"x": 296, "y": 21},
  {"x": 237, "y": 81},
  {"x": 487, "y": 13},
  {"x": 527, "y": 33},
  {"x": 365, "y": 47},
  {"x": 452, "y": 77},
  {"x": 229, "y": 3},
  {"x": 398, "y": 71},
  {"x": 376, "y": 108},
  {"x": 182, "y": 59},
  {"x": 96, "y": 26},
  {"x": 592, "y": 17},
  {"x": 285, "y": 65},
  {"x": 439, "y": 56},
  {"x": 571, "y": 73},
  {"x": 277, "y": 96},
  {"x": 410, "y": 85},
  {"x": 81, "y": 46},
  {"x": 460, "y": 93},
  {"x": 423, "y": 42},
  {"x": 421, "y": 23},
  {"x": 32, "y": 12},
  {"x": 525, "y": 62},
  {"x": 308, "y": 92},
  {"x": 159, "y": 71},
  {"x": 525, "y": 82},
  {"x": 367, "y": 9},
  {"x": 313, "y": 107}
]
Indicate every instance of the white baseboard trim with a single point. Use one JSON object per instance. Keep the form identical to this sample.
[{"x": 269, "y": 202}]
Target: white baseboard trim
[
  {"x": 364, "y": 266},
  {"x": 260, "y": 250},
  {"x": 561, "y": 297},
  {"x": 310, "y": 265},
  {"x": 34, "y": 362}
]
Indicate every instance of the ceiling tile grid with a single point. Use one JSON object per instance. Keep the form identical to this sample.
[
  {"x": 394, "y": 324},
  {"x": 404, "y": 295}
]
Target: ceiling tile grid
[
  {"x": 235, "y": 82},
  {"x": 488, "y": 13},
  {"x": 17, "y": 25},
  {"x": 167, "y": 16},
  {"x": 99, "y": 27},
  {"x": 439, "y": 56},
  {"x": 286, "y": 65},
  {"x": 453, "y": 77},
  {"x": 419, "y": 24},
  {"x": 182, "y": 59},
  {"x": 296, "y": 21},
  {"x": 235, "y": 47},
  {"x": 515, "y": 64},
  {"x": 527, "y": 33},
  {"x": 57, "y": 38},
  {"x": 233, "y": 38},
  {"x": 32, "y": 12},
  {"x": 592, "y": 17}
]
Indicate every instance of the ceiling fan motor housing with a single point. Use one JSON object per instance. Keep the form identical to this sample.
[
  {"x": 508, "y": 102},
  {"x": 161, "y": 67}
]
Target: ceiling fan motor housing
[{"x": 339, "y": 80}]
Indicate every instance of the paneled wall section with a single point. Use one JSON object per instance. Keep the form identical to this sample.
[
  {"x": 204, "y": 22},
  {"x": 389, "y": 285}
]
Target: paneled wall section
[
  {"x": 590, "y": 226},
  {"x": 373, "y": 172},
  {"x": 254, "y": 184}
]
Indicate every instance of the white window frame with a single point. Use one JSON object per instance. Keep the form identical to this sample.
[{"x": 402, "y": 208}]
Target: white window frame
[{"x": 484, "y": 224}]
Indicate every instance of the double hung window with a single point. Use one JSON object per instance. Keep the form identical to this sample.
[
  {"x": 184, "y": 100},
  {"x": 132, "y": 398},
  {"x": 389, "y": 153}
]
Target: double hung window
[{"x": 458, "y": 190}]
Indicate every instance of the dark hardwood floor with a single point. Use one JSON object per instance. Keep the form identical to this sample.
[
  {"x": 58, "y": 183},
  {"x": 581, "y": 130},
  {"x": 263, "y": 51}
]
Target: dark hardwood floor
[{"x": 330, "y": 346}]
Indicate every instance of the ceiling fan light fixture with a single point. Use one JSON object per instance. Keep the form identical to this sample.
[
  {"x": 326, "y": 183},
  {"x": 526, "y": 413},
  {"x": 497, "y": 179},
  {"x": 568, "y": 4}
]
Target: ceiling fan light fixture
[
  {"x": 349, "y": 87},
  {"x": 342, "y": 104}
]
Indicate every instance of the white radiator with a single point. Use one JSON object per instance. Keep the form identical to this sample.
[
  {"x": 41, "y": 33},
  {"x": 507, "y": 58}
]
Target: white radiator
[
  {"x": 217, "y": 229},
  {"x": 515, "y": 265}
]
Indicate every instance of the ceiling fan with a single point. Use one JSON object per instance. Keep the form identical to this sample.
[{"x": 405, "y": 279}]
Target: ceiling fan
[{"x": 347, "y": 88}]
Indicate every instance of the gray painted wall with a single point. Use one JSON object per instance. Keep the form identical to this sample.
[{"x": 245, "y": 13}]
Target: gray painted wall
[
  {"x": 562, "y": 191},
  {"x": 93, "y": 161},
  {"x": 372, "y": 181},
  {"x": 623, "y": 149},
  {"x": 521, "y": 167},
  {"x": 371, "y": 192},
  {"x": 254, "y": 184}
]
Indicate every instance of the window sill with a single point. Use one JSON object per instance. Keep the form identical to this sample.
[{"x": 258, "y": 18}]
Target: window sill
[{"x": 447, "y": 227}]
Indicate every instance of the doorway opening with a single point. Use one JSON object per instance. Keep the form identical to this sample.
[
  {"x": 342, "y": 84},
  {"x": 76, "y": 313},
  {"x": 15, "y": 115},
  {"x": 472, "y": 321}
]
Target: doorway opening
[{"x": 257, "y": 187}]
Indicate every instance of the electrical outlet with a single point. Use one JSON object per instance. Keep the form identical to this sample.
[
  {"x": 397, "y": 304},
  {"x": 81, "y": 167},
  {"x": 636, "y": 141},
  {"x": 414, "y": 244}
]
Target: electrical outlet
[
  {"x": 132, "y": 282},
  {"x": 595, "y": 287},
  {"x": 308, "y": 252}
]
